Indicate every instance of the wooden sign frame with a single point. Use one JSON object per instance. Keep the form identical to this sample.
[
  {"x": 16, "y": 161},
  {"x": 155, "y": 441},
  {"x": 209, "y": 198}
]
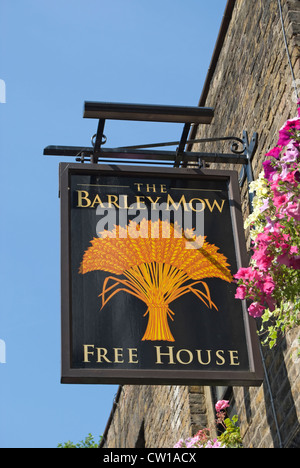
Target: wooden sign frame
[{"x": 171, "y": 365}]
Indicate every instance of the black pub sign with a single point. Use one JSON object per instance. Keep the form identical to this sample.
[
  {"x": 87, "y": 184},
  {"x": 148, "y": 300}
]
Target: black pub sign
[{"x": 147, "y": 263}]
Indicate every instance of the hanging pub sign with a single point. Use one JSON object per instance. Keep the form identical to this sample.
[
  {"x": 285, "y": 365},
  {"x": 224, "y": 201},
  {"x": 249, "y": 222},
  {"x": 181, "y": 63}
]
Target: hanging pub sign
[{"x": 148, "y": 258}]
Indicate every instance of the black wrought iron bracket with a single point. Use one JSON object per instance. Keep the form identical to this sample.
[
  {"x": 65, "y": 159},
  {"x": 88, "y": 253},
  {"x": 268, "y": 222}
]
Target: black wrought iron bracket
[{"x": 241, "y": 152}]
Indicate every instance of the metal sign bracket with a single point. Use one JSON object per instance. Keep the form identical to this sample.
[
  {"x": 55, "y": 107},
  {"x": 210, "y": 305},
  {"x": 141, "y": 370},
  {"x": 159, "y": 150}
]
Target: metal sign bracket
[{"x": 241, "y": 150}]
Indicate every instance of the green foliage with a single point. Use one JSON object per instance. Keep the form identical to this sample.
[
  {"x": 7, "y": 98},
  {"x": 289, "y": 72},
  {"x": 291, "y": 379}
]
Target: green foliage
[
  {"x": 278, "y": 322},
  {"x": 88, "y": 442},
  {"x": 231, "y": 437}
]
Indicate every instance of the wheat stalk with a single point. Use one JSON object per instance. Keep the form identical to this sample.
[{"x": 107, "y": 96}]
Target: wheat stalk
[{"x": 158, "y": 265}]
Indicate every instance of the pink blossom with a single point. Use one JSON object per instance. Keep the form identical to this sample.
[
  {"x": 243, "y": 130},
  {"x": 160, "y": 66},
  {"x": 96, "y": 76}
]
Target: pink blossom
[
  {"x": 214, "y": 444},
  {"x": 269, "y": 169},
  {"x": 263, "y": 238},
  {"x": 264, "y": 206},
  {"x": 291, "y": 154},
  {"x": 263, "y": 261},
  {"x": 241, "y": 292},
  {"x": 179, "y": 444},
  {"x": 271, "y": 225},
  {"x": 275, "y": 186},
  {"x": 268, "y": 287},
  {"x": 296, "y": 175},
  {"x": 221, "y": 405},
  {"x": 250, "y": 274},
  {"x": 287, "y": 131},
  {"x": 256, "y": 310},
  {"x": 280, "y": 200},
  {"x": 192, "y": 442},
  {"x": 243, "y": 273},
  {"x": 285, "y": 170},
  {"x": 289, "y": 257},
  {"x": 290, "y": 179},
  {"x": 274, "y": 152},
  {"x": 293, "y": 210}
]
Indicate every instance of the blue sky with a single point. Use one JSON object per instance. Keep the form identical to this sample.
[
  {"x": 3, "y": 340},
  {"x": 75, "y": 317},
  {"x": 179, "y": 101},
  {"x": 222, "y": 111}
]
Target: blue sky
[{"x": 54, "y": 55}]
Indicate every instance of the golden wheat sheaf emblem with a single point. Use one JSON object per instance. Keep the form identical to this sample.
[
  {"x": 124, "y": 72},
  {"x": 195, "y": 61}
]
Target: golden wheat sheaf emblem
[{"x": 158, "y": 265}]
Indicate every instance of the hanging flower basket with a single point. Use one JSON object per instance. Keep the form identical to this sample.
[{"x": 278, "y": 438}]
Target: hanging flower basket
[
  {"x": 272, "y": 281},
  {"x": 230, "y": 436}
]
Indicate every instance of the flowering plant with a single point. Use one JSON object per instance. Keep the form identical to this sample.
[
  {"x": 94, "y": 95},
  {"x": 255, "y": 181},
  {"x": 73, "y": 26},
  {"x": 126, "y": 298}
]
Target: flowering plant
[
  {"x": 272, "y": 280},
  {"x": 230, "y": 438}
]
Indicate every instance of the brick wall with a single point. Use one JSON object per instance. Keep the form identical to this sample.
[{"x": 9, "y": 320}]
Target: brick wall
[
  {"x": 155, "y": 416},
  {"x": 251, "y": 89}
]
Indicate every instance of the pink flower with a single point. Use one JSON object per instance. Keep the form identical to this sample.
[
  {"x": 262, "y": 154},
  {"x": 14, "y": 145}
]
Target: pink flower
[
  {"x": 243, "y": 273},
  {"x": 290, "y": 179},
  {"x": 296, "y": 175},
  {"x": 241, "y": 292},
  {"x": 287, "y": 131},
  {"x": 274, "y": 152},
  {"x": 268, "y": 287},
  {"x": 293, "y": 210},
  {"x": 291, "y": 154},
  {"x": 269, "y": 169},
  {"x": 265, "y": 206},
  {"x": 289, "y": 257},
  {"x": 214, "y": 444},
  {"x": 263, "y": 238},
  {"x": 221, "y": 405},
  {"x": 193, "y": 442},
  {"x": 271, "y": 225},
  {"x": 179, "y": 444},
  {"x": 203, "y": 435},
  {"x": 280, "y": 200},
  {"x": 263, "y": 261},
  {"x": 256, "y": 310},
  {"x": 285, "y": 171}
]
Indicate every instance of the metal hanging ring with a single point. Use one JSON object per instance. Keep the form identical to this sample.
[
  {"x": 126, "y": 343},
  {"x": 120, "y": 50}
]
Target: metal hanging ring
[
  {"x": 104, "y": 140},
  {"x": 235, "y": 147}
]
